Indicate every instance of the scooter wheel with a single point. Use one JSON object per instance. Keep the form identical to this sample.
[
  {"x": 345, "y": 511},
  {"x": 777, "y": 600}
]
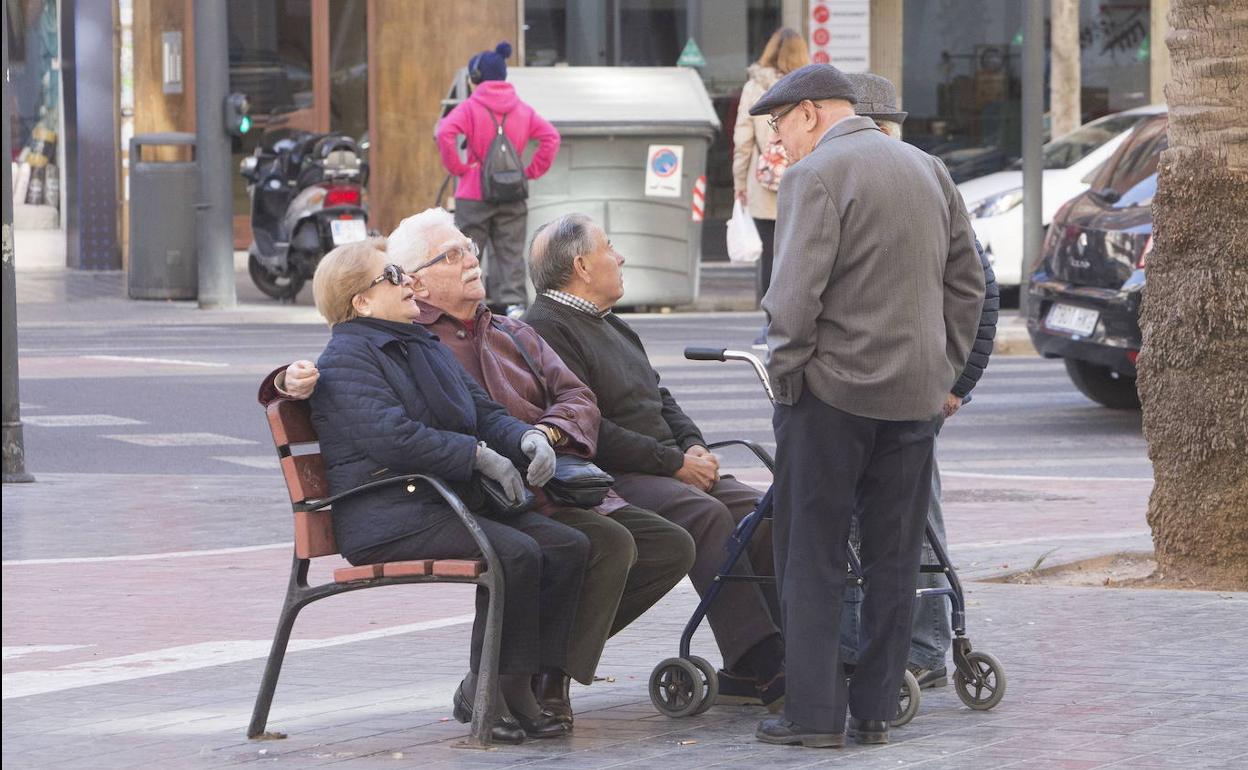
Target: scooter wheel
[
  {"x": 907, "y": 701},
  {"x": 676, "y": 688},
  {"x": 284, "y": 287},
  {"x": 989, "y": 690}
]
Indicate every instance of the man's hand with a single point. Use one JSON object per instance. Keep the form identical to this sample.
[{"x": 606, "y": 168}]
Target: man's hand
[
  {"x": 697, "y": 450},
  {"x": 700, "y": 472},
  {"x": 301, "y": 377},
  {"x": 951, "y": 406},
  {"x": 536, "y": 446}
]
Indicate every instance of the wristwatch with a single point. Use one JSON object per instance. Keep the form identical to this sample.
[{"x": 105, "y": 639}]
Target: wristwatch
[{"x": 555, "y": 435}]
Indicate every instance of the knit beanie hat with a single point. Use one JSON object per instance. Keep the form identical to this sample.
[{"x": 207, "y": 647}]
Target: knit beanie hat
[{"x": 490, "y": 65}]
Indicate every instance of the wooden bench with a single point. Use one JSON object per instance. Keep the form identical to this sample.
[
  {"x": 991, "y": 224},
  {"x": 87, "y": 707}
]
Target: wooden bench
[{"x": 304, "y": 470}]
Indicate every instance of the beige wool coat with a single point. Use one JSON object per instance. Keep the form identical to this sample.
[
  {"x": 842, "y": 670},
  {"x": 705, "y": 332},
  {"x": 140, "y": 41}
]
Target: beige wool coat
[{"x": 749, "y": 136}]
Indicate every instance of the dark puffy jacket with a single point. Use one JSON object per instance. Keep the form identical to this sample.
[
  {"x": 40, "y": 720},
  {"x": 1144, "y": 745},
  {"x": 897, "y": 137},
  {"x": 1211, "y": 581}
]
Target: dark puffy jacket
[
  {"x": 374, "y": 421},
  {"x": 982, "y": 349}
]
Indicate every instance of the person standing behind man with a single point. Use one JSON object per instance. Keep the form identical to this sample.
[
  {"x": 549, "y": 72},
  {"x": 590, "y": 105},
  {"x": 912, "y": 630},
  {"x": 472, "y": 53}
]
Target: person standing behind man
[
  {"x": 931, "y": 634},
  {"x": 494, "y": 108},
  {"x": 757, "y": 163},
  {"x": 873, "y": 306}
]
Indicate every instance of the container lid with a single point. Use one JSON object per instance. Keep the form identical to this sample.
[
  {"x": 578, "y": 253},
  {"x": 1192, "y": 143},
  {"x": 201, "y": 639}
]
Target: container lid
[
  {"x": 637, "y": 99},
  {"x": 166, "y": 138}
]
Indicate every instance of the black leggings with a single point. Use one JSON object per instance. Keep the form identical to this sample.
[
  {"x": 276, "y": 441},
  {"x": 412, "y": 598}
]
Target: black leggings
[
  {"x": 767, "y": 232},
  {"x": 543, "y": 564}
]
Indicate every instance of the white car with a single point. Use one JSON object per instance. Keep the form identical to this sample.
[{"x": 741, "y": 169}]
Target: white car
[{"x": 995, "y": 201}]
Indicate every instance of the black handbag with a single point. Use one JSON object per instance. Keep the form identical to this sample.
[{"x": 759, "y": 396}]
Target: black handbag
[
  {"x": 577, "y": 482},
  {"x": 498, "y": 505}
]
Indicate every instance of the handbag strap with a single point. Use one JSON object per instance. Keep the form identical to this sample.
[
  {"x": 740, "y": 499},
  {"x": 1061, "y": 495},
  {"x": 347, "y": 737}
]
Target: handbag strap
[{"x": 528, "y": 359}]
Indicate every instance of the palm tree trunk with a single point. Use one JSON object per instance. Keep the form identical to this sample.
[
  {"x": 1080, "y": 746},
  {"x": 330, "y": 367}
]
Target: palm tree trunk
[
  {"x": 1065, "y": 87},
  {"x": 1193, "y": 369}
]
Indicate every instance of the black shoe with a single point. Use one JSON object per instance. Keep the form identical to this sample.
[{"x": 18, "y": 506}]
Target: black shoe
[
  {"x": 737, "y": 689},
  {"x": 772, "y": 693},
  {"x": 544, "y": 725},
  {"x": 868, "y": 731},
  {"x": 504, "y": 728},
  {"x": 929, "y": 678},
  {"x": 551, "y": 690},
  {"x": 785, "y": 733}
]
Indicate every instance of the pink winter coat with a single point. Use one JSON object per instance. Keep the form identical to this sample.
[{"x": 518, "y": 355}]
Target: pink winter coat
[{"x": 471, "y": 119}]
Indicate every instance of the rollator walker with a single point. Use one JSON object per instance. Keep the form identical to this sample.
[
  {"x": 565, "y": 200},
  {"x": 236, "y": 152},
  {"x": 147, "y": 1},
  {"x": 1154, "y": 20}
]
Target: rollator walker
[{"x": 688, "y": 685}]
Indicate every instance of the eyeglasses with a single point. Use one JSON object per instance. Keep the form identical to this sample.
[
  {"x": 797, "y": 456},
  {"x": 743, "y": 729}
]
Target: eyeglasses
[
  {"x": 774, "y": 120},
  {"x": 452, "y": 255},
  {"x": 392, "y": 273}
]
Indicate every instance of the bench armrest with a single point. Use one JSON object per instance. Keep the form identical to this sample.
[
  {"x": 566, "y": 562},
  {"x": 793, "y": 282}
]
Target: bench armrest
[{"x": 446, "y": 493}]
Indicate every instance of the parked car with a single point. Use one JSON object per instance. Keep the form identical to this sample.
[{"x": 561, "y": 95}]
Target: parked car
[
  {"x": 995, "y": 201},
  {"x": 1084, "y": 296}
]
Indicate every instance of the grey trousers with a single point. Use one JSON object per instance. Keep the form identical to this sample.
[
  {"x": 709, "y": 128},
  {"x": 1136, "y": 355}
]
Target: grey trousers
[
  {"x": 635, "y": 557},
  {"x": 743, "y": 614},
  {"x": 830, "y": 464},
  {"x": 501, "y": 227}
]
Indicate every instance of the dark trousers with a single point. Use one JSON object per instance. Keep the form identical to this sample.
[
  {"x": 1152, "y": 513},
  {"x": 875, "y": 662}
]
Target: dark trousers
[
  {"x": 766, "y": 232},
  {"x": 502, "y": 227},
  {"x": 830, "y": 463},
  {"x": 635, "y": 557},
  {"x": 743, "y": 614},
  {"x": 543, "y": 563}
]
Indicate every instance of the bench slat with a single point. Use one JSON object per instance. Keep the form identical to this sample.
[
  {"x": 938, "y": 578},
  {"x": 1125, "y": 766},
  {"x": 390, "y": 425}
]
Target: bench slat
[
  {"x": 305, "y": 477},
  {"x": 314, "y": 534},
  {"x": 362, "y": 572},
  {"x": 458, "y": 567},
  {"x": 406, "y": 568},
  {"x": 291, "y": 422}
]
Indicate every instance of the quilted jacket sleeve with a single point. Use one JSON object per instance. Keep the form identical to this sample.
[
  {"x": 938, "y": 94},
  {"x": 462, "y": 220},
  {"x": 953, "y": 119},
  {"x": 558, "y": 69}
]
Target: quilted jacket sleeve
[
  {"x": 495, "y": 426},
  {"x": 358, "y": 406},
  {"x": 981, "y": 349}
]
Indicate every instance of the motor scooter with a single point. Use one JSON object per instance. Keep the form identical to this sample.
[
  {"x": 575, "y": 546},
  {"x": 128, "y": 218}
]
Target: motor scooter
[{"x": 307, "y": 196}]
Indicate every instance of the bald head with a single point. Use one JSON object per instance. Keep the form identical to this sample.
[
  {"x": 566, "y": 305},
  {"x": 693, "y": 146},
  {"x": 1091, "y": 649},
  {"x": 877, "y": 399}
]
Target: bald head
[{"x": 555, "y": 247}]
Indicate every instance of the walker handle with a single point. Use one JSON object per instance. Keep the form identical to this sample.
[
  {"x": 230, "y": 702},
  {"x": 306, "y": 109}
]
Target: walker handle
[{"x": 704, "y": 354}]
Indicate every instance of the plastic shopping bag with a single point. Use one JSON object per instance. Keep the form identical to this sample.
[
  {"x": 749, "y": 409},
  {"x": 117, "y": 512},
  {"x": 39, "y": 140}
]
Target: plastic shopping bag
[{"x": 744, "y": 245}]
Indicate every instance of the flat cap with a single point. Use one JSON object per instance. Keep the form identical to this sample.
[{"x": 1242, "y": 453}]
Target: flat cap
[
  {"x": 877, "y": 97},
  {"x": 814, "y": 82}
]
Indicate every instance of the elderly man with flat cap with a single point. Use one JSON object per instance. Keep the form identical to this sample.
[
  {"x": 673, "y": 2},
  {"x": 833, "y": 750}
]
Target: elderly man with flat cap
[{"x": 873, "y": 306}]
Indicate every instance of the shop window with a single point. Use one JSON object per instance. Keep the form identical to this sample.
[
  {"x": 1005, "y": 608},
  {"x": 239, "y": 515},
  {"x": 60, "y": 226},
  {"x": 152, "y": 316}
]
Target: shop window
[{"x": 34, "y": 94}]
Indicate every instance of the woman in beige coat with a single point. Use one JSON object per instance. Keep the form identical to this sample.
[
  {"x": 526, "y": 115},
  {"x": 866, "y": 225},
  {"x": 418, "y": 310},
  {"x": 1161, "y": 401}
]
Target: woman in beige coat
[{"x": 785, "y": 52}]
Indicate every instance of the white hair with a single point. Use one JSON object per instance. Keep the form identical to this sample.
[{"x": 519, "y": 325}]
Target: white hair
[
  {"x": 890, "y": 127},
  {"x": 409, "y": 243}
]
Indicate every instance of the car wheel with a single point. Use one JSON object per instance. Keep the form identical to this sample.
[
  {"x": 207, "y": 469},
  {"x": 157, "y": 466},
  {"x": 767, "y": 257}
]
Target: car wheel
[{"x": 1101, "y": 385}]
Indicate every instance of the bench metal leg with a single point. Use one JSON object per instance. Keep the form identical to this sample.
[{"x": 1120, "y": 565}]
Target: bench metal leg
[
  {"x": 277, "y": 653},
  {"x": 487, "y": 678}
]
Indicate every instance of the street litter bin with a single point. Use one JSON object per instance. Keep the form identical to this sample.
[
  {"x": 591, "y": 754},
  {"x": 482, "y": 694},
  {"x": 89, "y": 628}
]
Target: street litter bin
[
  {"x": 162, "y": 220},
  {"x": 633, "y": 157}
]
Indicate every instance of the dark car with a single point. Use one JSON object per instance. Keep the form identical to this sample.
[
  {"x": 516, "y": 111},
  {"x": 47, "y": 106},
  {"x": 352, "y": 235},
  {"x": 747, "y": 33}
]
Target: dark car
[{"x": 1084, "y": 297}]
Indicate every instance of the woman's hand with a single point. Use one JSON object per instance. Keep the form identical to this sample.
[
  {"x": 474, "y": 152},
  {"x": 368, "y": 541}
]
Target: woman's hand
[
  {"x": 301, "y": 377},
  {"x": 536, "y": 446},
  {"x": 495, "y": 466}
]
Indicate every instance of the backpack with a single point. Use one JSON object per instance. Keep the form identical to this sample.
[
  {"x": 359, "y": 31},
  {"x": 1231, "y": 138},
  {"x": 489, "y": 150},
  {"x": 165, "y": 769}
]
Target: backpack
[
  {"x": 771, "y": 165},
  {"x": 502, "y": 173}
]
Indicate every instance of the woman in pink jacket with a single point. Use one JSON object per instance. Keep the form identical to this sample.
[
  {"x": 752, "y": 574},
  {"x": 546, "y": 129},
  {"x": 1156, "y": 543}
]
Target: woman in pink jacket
[{"x": 501, "y": 225}]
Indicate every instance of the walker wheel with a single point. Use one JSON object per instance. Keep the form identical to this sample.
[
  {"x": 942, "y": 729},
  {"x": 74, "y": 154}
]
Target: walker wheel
[
  {"x": 676, "y": 688},
  {"x": 710, "y": 683},
  {"x": 990, "y": 688},
  {"x": 907, "y": 701}
]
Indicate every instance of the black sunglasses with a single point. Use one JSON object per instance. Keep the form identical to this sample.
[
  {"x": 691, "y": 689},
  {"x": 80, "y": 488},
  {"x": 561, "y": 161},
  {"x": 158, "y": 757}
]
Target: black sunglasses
[{"x": 392, "y": 273}]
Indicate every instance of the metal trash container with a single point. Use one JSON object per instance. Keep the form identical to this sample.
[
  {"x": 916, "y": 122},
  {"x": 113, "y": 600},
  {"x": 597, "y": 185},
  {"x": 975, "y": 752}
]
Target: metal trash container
[
  {"x": 162, "y": 221},
  {"x": 634, "y": 150}
]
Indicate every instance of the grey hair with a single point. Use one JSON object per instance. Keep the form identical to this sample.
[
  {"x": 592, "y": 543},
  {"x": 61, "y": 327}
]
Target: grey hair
[
  {"x": 890, "y": 127},
  {"x": 409, "y": 243},
  {"x": 567, "y": 238}
]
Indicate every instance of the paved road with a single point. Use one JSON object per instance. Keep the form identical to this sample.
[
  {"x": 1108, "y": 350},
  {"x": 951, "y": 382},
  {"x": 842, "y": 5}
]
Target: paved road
[{"x": 180, "y": 399}]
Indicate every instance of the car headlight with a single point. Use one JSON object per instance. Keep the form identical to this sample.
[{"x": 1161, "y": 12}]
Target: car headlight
[{"x": 998, "y": 204}]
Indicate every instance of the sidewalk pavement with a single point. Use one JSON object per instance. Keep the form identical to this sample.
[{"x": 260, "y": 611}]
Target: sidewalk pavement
[
  {"x": 131, "y": 646},
  {"x": 71, "y": 297}
]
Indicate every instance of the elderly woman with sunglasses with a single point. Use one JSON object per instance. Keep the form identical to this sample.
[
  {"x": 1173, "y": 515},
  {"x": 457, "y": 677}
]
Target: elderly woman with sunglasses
[{"x": 391, "y": 401}]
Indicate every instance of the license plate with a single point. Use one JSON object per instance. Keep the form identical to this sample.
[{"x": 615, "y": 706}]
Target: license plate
[
  {"x": 347, "y": 230},
  {"x": 1076, "y": 320}
]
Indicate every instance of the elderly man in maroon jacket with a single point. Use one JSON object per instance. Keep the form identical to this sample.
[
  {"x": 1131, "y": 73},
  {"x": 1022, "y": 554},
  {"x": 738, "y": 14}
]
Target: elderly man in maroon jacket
[{"x": 636, "y": 556}]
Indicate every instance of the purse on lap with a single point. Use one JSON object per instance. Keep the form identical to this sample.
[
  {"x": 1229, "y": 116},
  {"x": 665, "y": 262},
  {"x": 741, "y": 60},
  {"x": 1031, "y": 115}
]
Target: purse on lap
[{"x": 498, "y": 505}]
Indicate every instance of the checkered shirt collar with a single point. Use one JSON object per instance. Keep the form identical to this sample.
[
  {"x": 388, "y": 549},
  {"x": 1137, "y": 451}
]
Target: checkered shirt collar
[{"x": 579, "y": 303}]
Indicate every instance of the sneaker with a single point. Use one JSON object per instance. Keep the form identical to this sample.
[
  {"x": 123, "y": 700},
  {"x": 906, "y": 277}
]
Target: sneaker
[
  {"x": 929, "y": 678},
  {"x": 515, "y": 311},
  {"x": 760, "y": 342}
]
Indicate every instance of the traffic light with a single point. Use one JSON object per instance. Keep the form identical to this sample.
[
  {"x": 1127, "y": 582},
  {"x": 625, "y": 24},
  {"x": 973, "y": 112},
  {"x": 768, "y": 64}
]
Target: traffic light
[{"x": 237, "y": 114}]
